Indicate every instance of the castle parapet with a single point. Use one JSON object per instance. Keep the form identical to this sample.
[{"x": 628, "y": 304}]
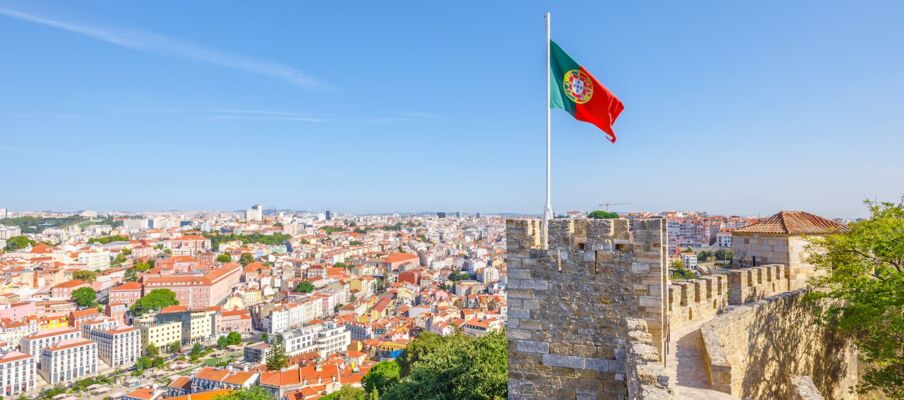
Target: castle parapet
[
  {"x": 568, "y": 305},
  {"x": 757, "y": 283},
  {"x": 697, "y": 299}
]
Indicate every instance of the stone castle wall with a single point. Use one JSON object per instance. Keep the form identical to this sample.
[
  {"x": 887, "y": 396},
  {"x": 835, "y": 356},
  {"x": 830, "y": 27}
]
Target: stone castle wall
[
  {"x": 568, "y": 305},
  {"x": 768, "y": 249},
  {"x": 756, "y": 350},
  {"x": 697, "y": 299},
  {"x": 646, "y": 377},
  {"x": 756, "y": 283}
]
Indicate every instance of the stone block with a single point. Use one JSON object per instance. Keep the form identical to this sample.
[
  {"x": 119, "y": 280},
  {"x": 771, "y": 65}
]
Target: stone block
[
  {"x": 518, "y": 273},
  {"x": 640, "y": 268},
  {"x": 562, "y": 361},
  {"x": 530, "y": 346}
]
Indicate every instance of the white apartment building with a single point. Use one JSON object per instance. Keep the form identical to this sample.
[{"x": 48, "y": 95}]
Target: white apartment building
[
  {"x": 119, "y": 346},
  {"x": 332, "y": 339},
  {"x": 135, "y": 224},
  {"x": 94, "y": 260},
  {"x": 17, "y": 373},
  {"x": 723, "y": 239},
  {"x": 97, "y": 324},
  {"x": 34, "y": 343},
  {"x": 255, "y": 213},
  {"x": 68, "y": 360},
  {"x": 161, "y": 335},
  {"x": 689, "y": 260},
  {"x": 7, "y": 232},
  {"x": 326, "y": 338},
  {"x": 291, "y": 315}
]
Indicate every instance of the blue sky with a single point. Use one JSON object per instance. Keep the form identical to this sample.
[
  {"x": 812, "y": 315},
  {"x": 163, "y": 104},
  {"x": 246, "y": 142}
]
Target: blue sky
[{"x": 731, "y": 107}]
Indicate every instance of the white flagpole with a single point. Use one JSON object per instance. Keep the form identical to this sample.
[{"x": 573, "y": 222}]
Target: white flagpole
[{"x": 547, "y": 211}]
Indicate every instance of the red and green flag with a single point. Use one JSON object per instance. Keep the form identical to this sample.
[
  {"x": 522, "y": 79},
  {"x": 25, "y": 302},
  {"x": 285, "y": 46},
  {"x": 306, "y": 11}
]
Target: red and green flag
[{"x": 573, "y": 89}]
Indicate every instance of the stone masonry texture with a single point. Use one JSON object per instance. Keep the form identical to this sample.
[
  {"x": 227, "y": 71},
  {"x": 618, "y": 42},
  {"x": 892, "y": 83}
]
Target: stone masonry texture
[{"x": 568, "y": 328}]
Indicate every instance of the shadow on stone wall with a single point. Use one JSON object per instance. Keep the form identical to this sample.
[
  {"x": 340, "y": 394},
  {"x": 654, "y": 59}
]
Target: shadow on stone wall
[{"x": 755, "y": 349}]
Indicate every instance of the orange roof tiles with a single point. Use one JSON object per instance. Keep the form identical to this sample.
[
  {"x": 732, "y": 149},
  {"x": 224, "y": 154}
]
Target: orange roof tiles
[
  {"x": 49, "y": 333},
  {"x": 182, "y": 382},
  {"x": 141, "y": 393},
  {"x": 70, "y": 284},
  {"x": 129, "y": 286},
  {"x": 13, "y": 356},
  {"x": 397, "y": 257},
  {"x": 793, "y": 223},
  {"x": 211, "y": 374},
  {"x": 208, "y": 395}
]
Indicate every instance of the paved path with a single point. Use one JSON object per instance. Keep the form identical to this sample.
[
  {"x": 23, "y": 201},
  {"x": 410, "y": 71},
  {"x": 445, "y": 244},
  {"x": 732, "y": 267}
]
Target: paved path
[{"x": 685, "y": 366}]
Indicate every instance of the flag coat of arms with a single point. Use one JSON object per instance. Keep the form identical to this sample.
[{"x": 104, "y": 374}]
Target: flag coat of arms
[{"x": 572, "y": 88}]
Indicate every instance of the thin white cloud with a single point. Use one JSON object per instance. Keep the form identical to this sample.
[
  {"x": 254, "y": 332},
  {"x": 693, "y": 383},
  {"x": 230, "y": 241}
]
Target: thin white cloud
[
  {"x": 266, "y": 118},
  {"x": 238, "y": 114},
  {"x": 171, "y": 47},
  {"x": 407, "y": 116}
]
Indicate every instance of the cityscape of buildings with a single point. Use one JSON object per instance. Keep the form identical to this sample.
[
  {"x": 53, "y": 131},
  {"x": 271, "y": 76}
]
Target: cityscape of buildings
[{"x": 338, "y": 293}]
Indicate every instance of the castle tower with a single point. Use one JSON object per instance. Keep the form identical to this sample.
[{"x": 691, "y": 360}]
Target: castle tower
[{"x": 568, "y": 306}]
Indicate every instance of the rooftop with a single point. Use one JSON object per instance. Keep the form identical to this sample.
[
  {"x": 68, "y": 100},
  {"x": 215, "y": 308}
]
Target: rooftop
[{"x": 793, "y": 223}]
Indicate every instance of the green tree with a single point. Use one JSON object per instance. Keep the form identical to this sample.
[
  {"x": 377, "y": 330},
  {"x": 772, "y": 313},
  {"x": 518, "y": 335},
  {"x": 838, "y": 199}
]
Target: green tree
[
  {"x": 277, "y": 358},
  {"x": 151, "y": 350},
  {"x": 143, "y": 266},
  {"x": 463, "y": 367},
  {"x": 304, "y": 287},
  {"x": 679, "y": 272},
  {"x": 108, "y": 239},
  {"x": 704, "y": 255},
  {"x": 246, "y": 258},
  {"x": 196, "y": 349},
  {"x": 249, "y": 393},
  {"x": 84, "y": 296},
  {"x": 346, "y": 392},
  {"x": 85, "y": 275},
  {"x": 418, "y": 349},
  {"x": 600, "y": 214},
  {"x": 224, "y": 258},
  {"x": 861, "y": 293},
  {"x": 723, "y": 255},
  {"x": 130, "y": 275},
  {"x": 382, "y": 376},
  {"x": 234, "y": 339},
  {"x": 174, "y": 347},
  {"x": 265, "y": 337},
  {"x": 119, "y": 259},
  {"x": 459, "y": 276},
  {"x": 18, "y": 242},
  {"x": 156, "y": 300}
]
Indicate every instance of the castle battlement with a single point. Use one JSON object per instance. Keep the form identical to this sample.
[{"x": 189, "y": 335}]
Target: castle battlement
[
  {"x": 568, "y": 305},
  {"x": 756, "y": 283},
  {"x": 697, "y": 299}
]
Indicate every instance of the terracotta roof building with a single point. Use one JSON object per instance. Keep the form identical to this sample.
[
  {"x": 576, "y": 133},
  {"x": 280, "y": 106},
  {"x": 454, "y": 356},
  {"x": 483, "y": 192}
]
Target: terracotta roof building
[{"x": 782, "y": 238}]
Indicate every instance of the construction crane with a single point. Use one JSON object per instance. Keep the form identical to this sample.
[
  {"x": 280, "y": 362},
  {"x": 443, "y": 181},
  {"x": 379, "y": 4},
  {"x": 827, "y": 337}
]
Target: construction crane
[{"x": 607, "y": 205}]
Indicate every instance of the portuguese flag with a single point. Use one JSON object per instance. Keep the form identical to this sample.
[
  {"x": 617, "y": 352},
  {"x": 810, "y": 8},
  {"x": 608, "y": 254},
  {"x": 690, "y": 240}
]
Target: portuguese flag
[{"x": 573, "y": 89}]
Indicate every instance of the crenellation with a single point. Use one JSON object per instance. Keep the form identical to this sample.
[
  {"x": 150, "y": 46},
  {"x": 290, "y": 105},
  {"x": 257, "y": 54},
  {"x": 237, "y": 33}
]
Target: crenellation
[
  {"x": 567, "y": 330},
  {"x": 696, "y": 299},
  {"x": 756, "y": 283}
]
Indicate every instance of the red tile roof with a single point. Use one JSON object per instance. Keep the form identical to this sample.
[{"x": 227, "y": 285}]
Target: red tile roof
[
  {"x": 130, "y": 286},
  {"x": 141, "y": 393},
  {"x": 208, "y": 395},
  {"x": 793, "y": 223},
  {"x": 397, "y": 257}
]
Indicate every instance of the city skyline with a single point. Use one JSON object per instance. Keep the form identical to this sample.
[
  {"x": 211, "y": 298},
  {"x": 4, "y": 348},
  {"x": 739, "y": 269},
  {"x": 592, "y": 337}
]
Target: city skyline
[{"x": 380, "y": 109}]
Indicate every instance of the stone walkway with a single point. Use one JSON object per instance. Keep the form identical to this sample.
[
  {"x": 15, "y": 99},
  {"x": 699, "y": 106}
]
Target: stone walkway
[{"x": 687, "y": 374}]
